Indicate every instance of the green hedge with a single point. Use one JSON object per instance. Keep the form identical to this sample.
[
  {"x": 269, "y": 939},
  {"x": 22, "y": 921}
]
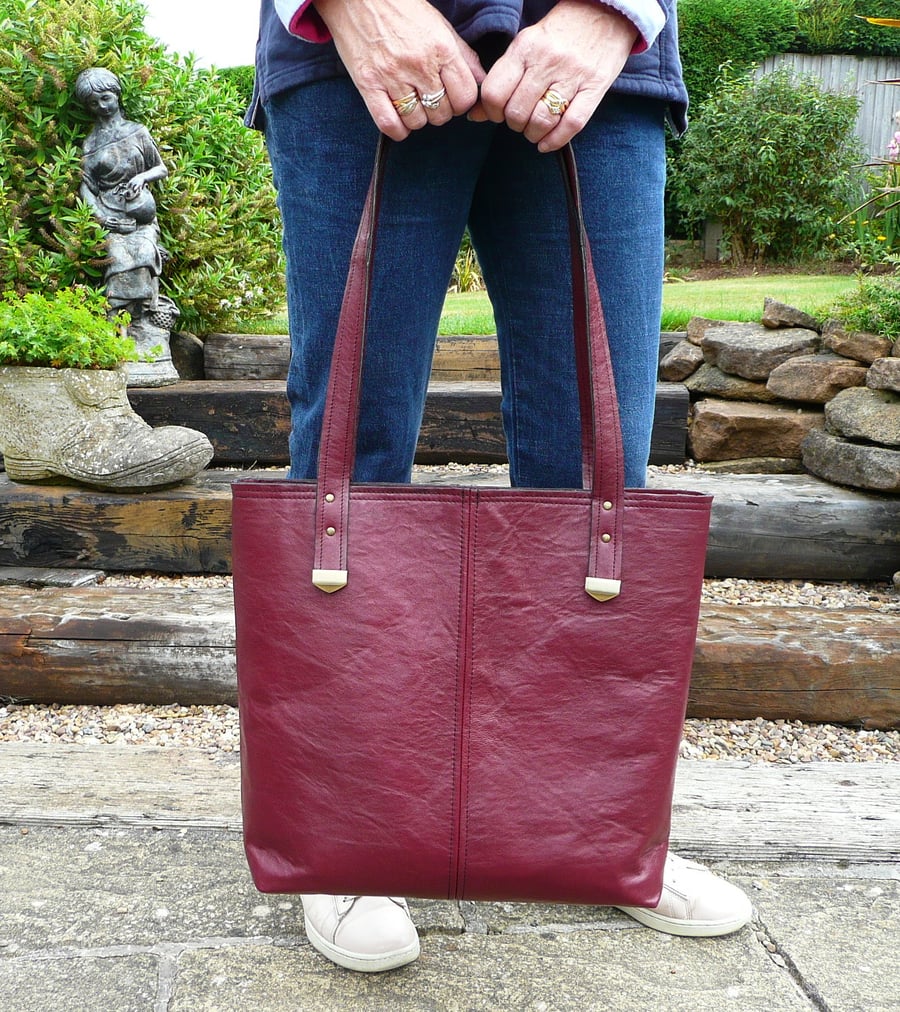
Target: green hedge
[
  {"x": 740, "y": 32},
  {"x": 745, "y": 32}
]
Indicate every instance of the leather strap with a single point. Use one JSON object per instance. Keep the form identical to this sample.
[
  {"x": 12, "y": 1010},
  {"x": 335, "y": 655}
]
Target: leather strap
[{"x": 602, "y": 460}]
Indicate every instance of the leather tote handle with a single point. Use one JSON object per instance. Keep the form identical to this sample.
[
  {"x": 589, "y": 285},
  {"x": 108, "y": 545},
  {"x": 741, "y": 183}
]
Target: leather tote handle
[{"x": 602, "y": 460}]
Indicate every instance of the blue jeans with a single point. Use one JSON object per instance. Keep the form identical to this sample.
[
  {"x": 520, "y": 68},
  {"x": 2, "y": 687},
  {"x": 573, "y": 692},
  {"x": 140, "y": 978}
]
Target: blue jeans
[{"x": 321, "y": 143}]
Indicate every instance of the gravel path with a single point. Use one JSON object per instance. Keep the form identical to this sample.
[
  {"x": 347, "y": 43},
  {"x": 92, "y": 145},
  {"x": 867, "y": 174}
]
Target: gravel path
[{"x": 215, "y": 729}]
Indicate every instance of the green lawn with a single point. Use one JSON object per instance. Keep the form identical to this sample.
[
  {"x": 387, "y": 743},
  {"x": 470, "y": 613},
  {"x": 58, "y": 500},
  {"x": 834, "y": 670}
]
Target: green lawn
[
  {"x": 467, "y": 313},
  {"x": 723, "y": 298}
]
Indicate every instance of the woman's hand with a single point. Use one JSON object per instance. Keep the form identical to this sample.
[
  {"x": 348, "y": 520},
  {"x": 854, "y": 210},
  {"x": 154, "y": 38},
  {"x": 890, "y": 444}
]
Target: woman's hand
[
  {"x": 403, "y": 49},
  {"x": 553, "y": 75}
]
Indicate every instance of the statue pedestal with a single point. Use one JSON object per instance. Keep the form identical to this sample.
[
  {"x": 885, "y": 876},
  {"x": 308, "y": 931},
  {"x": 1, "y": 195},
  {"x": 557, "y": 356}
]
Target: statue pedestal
[{"x": 155, "y": 368}]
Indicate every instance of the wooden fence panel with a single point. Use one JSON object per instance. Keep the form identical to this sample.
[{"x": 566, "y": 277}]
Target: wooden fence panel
[{"x": 854, "y": 75}]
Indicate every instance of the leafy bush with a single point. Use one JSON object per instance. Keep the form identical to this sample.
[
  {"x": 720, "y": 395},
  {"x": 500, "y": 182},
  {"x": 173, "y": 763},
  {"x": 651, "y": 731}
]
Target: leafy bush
[
  {"x": 741, "y": 32},
  {"x": 241, "y": 79},
  {"x": 836, "y": 26},
  {"x": 874, "y": 306},
  {"x": 216, "y": 210},
  {"x": 67, "y": 330},
  {"x": 773, "y": 159}
]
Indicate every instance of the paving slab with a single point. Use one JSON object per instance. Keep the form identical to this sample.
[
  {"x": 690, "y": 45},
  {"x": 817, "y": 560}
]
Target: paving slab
[
  {"x": 84, "y": 889},
  {"x": 97, "y": 888},
  {"x": 541, "y": 970},
  {"x": 113, "y": 919},
  {"x": 123, "y": 885},
  {"x": 95, "y": 983},
  {"x": 841, "y": 936}
]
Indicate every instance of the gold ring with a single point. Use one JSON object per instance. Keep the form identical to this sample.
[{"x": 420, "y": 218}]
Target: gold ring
[
  {"x": 555, "y": 102},
  {"x": 433, "y": 100},
  {"x": 407, "y": 104}
]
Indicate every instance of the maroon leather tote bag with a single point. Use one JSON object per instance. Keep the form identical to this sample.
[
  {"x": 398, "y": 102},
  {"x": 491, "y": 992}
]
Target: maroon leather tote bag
[{"x": 463, "y": 692}]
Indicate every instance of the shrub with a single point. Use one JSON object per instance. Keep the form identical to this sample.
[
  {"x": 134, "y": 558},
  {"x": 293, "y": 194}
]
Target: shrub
[
  {"x": 216, "y": 210},
  {"x": 740, "y": 32},
  {"x": 773, "y": 159},
  {"x": 241, "y": 78},
  {"x": 873, "y": 306},
  {"x": 67, "y": 330}
]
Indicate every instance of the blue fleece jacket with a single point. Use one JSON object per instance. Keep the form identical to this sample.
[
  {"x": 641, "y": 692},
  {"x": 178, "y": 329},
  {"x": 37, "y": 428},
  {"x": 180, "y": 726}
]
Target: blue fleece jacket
[{"x": 283, "y": 60}]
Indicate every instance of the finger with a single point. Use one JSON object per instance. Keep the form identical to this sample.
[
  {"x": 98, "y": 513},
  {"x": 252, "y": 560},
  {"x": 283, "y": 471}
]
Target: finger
[
  {"x": 408, "y": 108},
  {"x": 385, "y": 115},
  {"x": 461, "y": 78},
  {"x": 548, "y": 111},
  {"x": 472, "y": 60},
  {"x": 499, "y": 86},
  {"x": 576, "y": 116},
  {"x": 437, "y": 106},
  {"x": 477, "y": 114}
]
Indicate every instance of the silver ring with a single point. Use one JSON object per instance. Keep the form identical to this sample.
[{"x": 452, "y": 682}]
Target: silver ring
[
  {"x": 555, "y": 102},
  {"x": 407, "y": 104},
  {"x": 433, "y": 100}
]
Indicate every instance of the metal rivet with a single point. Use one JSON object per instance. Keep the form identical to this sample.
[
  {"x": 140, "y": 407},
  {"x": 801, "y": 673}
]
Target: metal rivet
[
  {"x": 330, "y": 531},
  {"x": 329, "y": 498},
  {"x": 607, "y": 505},
  {"x": 606, "y": 538}
]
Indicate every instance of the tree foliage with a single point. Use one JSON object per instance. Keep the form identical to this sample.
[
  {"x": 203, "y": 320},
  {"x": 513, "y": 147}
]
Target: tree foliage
[{"x": 216, "y": 209}]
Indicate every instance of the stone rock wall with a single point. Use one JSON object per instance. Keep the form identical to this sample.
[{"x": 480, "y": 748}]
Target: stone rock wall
[{"x": 785, "y": 392}]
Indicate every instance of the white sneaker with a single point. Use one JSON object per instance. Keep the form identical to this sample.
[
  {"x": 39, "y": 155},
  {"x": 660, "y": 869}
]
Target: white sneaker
[
  {"x": 367, "y": 933},
  {"x": 695, "y": 902}
]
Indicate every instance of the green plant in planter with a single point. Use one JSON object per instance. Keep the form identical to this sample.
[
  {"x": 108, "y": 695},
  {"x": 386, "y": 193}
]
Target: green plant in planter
[
  {"x": 64, "y": 410},
  {"x": 67, "y": 330}
]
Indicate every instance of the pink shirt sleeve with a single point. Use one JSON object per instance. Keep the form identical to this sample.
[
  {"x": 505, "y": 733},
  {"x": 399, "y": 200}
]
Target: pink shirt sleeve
[
  {"x": 647, "y": 16},
  {"x": 302, "y": 20}
]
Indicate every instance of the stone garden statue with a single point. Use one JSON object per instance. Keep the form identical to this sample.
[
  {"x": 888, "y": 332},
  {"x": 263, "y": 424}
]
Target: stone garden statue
[{"x": 120, "y": 161}]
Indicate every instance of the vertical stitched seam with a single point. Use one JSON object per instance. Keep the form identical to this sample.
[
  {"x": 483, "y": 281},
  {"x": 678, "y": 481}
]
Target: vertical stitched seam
[
  {"x": 454, "y": 784},
  {"x": 464, "y": 673},
  {"x": 470, "y": 617}
]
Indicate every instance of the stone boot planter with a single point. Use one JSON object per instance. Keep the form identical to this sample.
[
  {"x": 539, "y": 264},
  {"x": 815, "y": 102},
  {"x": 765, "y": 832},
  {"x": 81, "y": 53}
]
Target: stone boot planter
[{"x": 78, "y": 424}]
